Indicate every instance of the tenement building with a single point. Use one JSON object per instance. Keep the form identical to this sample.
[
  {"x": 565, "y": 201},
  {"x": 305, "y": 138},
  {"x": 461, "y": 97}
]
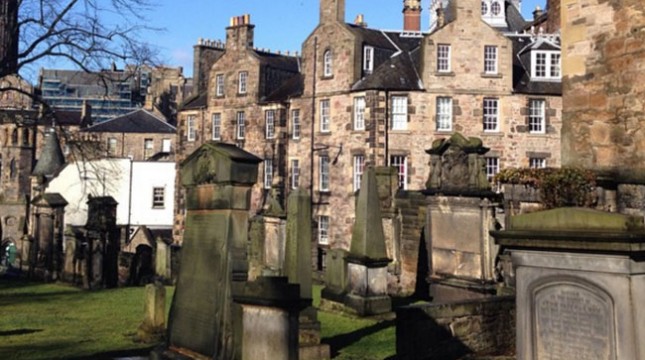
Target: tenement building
[{"x": 358, "y": 96}]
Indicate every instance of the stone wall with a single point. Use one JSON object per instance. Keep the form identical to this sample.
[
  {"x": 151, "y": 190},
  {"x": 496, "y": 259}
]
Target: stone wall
[
  {"x": 484, "y": 327},
  {"x": 603, "y": 56}
]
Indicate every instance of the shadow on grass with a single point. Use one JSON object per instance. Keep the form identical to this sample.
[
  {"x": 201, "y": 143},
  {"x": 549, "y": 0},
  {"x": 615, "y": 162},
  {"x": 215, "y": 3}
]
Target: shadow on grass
[
  {"x": 339, "y": 342},
  {"x": 109, "y": 355},
  {"x": 19, "y": 332}
]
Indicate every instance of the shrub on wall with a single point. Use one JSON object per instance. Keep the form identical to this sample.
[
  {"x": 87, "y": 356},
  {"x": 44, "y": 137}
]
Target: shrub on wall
[{"x": 567, "y": 186}]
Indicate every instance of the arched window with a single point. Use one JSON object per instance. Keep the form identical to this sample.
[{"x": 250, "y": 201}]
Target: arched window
[{"x": 327, "y": 63}]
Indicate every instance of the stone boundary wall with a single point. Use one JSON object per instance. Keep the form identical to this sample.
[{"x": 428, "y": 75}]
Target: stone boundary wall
[{"x": 484, "y": 327}]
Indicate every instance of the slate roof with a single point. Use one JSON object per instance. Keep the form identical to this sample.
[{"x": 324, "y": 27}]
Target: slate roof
[
  {"x": 198, "y": 101},
  {"x": 289, "y": 89},
  {"x": 51, "y": 157},
  {"x": 138, "y": 121},
  {"x": 397, "y": 73},
  {"x": 514, "y": 18},
  {"x": 277, "y": 61},
  {"x": 522, "y": 82}
]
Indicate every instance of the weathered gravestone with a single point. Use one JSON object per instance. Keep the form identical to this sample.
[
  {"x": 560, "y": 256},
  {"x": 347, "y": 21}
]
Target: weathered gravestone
[
  {"x": 367, "y": 259},
  {"x": 49, "y": 216},
  {"x": 103, "y": 245},
  {"x": 580, "y": 280},
  {"x": 215, "y": 312},
  {"x": 154, "y": 322},
  {"x": 461, "y": 211},
  {"x": 298, "y": 268}
]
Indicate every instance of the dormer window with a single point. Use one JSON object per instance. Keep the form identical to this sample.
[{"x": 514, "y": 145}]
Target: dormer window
[
  {"x": 495, "y": 8},
  {"x": 545, "y": 65},
  {"x": 327, "y": 64},
  {"x": 368, "y": 59}
]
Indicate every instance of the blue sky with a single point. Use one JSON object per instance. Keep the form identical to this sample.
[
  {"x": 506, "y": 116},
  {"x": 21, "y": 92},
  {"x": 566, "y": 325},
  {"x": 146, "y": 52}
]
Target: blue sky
[{"x": 280, "y": 24}]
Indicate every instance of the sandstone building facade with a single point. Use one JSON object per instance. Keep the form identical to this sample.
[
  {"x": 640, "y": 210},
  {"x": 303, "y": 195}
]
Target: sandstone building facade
[{"x": 358, "y": 96}]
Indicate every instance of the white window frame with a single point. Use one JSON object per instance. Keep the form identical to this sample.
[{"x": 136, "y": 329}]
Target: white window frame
[
  {"x": 323, "y": 230},
  {"x": 400, "y": 162},
  {"x": 537, "y": 116},
  {"x": 359, "y": 113},
  {"x": 328, "y": 63},
  {"x": 325, "y": 115},
  {"x": 295, "y": 173},
  {"x": 216, "y": 119},
  {"x": 399, "y": 119},
  {"x": 243, "y": 77},
  {"x": 295, "y": 124},
  {"x": 490, "y": 59},
  {"x": 490, "y": 114},
  {"x": 219, "y": 85},
  {"x": 158, "y": 197},
  {"x": 549, "y": 66},
  {"x": 492, "y": 167},
  {"x": 269, "y": 120},
  {"x": 148, "y": 145},
  {"x": 359, "y": 168},
  {"x": 537, "y": 163},
  {"x": 191, "y": 132},
  {"x": 444, "y": 113},
  {"x": 443, "y": 58},
  {"x": 323, "y": 171},
  {"x": 240, "y": 128},
  {"x": 166, "y": 145},
  {"x": 268, "y": 173},
  {"x": 368, "y": 59}
]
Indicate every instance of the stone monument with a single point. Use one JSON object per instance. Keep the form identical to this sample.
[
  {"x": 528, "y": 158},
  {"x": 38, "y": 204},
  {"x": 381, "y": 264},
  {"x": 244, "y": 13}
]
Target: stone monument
[
  {"x": 154, "y": 322},
  {"x": 102, "y": 244},
  {"x": 580, "y": 280},
  {"x": 49, "y": 235},
  {"x": 298, "y": 268},
  {"x": 367, "y": 259},
  {"x": 216, "y": 313},
  {"x": 461, "y": 211}
]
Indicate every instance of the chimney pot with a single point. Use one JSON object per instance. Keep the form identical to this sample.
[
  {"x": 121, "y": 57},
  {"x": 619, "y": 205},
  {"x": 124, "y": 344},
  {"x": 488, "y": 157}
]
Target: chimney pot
[{"x": 537, "y": 12}]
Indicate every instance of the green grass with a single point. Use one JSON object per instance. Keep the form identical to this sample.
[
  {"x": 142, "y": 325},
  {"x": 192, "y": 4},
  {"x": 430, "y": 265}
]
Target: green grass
[
  {"x": 355, "y": 338},
  {"x": 53, "y": 321}
]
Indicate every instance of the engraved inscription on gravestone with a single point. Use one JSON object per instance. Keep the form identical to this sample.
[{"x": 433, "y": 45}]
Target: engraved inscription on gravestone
[{"x": 573, "y": 321}]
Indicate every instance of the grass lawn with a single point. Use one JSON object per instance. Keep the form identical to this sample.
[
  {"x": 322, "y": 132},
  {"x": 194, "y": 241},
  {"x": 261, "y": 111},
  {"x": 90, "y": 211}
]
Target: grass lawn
[{"x": 53, "y": 321}]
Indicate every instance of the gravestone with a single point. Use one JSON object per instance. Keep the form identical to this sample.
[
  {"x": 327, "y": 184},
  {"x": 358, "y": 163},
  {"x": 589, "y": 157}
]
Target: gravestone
[
  {"x": 49, "y": 233},
  {"x": 154, "y": 322},
  {"x": 335, "y": 276},
  {"x": 367, "y": 259},
  {"x": 162, "y": 259},
  {"x": 461, "y": 211},
  {"x": 102, "y": 243},
  {"x": 218, "y": 179},
  {"x": 298, "y": 268},
  {"x": 580, "y": 280}
]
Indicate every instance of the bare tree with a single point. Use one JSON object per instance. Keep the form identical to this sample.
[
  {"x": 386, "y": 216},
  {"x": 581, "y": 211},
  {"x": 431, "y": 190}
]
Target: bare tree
[{"x": 91, "y": 34}]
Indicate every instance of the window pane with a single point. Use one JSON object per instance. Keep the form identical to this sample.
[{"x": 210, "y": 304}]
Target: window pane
[
  {"x": 359, "y": 113},
  {"x": 270, "y": 124},
  {"x": 242, "y": 82},
  {"x": 536, "y": 116},
  {"x": 490, "y": 59},
  {"x": 268, "y": 173},
  {"x": 399, "y": 112},
  {"x": 491, "y": 114},
  {"x": 359, "y": 165},
  {"x": 295, "y": 124},
  {"x": 400, "y": 163},
  {"x": 444, "y": 113},
  {"x": 217, "y": 126},
  {"x": 158, "y": 197},
  {"x": 323, "y": 230},
  {"x": 324, "y": 116},
  {"x": 295, "y": 174},
  {"x": 492, "y": 167},
  {"x": 324, "y": 173},
  {"x": 241, "y": 127},
  {"x": 443, "y": 58}
]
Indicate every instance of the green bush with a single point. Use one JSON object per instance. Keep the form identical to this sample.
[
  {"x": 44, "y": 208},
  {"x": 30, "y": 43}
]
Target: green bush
[{"x": 561, "y": 187}]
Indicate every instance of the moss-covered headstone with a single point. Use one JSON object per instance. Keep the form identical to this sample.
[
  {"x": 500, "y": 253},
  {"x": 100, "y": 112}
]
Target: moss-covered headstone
[{"x": 218, "y": 179}]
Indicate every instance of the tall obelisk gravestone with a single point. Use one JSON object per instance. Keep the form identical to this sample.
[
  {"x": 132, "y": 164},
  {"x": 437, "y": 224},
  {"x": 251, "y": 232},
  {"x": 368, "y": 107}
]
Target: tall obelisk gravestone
[
  {"x": 218, "y": 179},
  {"x": 367, "y": 259}
]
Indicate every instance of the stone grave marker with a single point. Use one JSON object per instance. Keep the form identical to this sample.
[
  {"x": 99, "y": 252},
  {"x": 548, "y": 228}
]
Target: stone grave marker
[{"x": 580, "y": 280}]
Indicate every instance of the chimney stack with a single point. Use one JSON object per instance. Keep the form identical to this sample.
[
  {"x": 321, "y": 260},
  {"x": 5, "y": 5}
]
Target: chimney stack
[
  {"x": 537, "y": 12},
  {"x": 441, "y": 17},
  {"x": 332, "y": 10},
  {"x": 412, "y": 15},
  {"x": 360, "y": 21},
  {"x": 239, "y": 35}
]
